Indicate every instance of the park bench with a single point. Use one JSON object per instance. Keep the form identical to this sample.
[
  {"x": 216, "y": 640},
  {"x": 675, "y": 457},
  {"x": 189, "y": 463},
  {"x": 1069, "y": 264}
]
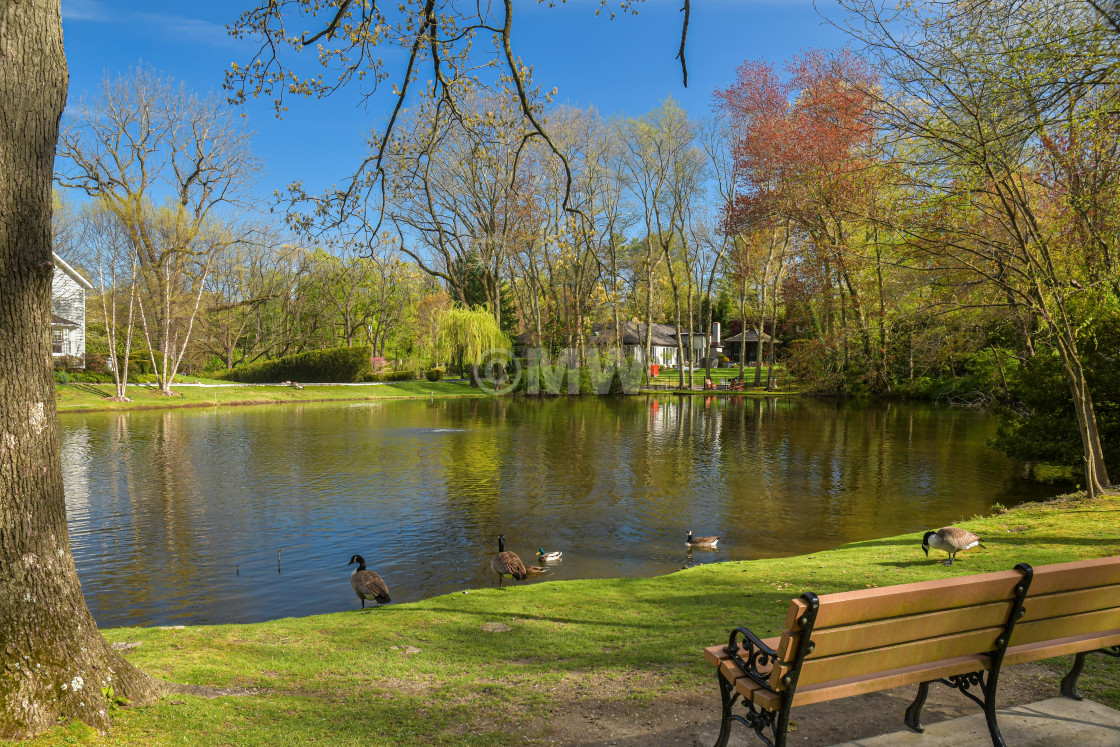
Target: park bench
[{"x": 957, "y": 632}]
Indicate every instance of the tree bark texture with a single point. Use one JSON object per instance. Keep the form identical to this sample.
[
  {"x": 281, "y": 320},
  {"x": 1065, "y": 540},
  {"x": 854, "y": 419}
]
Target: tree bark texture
[{"x": 53, "y": 662}]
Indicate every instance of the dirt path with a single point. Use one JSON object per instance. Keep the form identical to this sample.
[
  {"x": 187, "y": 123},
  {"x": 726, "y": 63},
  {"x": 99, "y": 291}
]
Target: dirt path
[{"x": 606, "y": 716}]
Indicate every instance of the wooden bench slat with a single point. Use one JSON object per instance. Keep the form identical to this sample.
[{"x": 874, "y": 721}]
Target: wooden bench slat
[
  {"x": 1087, "y": 623},
  {"x": 882, "y": 680},
  {"x": 861, "y": 605},
  {"x": 1061, "y": 647},
  {"x": 1079, "y": 574},
  {"x": 910, "y": 654},
  {"x": 892, "y": 631},
  {"x": 1070, "y": 603},
  {"x": 732, "y": 673},
  {"x": 849, "y": 607},
  {"x": 716, "y": 654}
]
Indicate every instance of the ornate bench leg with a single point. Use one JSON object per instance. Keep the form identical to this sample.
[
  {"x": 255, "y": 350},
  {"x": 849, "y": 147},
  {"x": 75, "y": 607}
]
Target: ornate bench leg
[
  {"x": 725, "y": 693},
  {"x": 1069, "y": 682},
  {"x": 914, "y": 712},
  {"x": 984, "y": 681},
  {"x": 990, "y": 709}
]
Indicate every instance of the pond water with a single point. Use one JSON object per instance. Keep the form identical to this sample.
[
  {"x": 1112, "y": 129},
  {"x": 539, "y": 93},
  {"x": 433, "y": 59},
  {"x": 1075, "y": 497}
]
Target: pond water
[{"x": 249, "y": 514}]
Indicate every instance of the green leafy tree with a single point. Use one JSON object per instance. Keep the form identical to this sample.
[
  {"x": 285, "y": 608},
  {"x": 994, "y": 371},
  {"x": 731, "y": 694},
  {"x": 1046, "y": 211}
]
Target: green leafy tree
[{"x": 470, "y": 333}]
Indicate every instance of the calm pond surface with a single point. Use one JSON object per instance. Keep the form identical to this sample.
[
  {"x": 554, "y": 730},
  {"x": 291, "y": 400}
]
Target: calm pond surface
[{"x": 176, "y": 516}]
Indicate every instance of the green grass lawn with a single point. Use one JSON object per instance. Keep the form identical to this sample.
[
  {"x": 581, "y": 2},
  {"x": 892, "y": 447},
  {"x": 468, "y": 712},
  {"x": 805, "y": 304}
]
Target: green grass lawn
[
  {"x": 94, "y": 397},
  {"x": 667, "y": 378},
  {"x": 347, "y": 678}
]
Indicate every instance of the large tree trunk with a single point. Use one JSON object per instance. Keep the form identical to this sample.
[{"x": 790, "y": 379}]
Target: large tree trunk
[
  {"x": 1096, "y": 473},
  {"x": 677, "y": 318},
  {"x": 743, "y": 327},
  {"x": 53, "y": 662}
]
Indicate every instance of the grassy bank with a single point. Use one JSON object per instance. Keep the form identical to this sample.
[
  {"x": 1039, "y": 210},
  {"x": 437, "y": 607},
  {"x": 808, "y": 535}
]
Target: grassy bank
[
  {"x": 427, "y": 673},
  {"x": 95, "y": 397},
  {"x": 669, "y": 379}
]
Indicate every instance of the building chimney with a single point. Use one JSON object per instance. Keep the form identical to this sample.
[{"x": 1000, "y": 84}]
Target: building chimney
[{"x": 715, "y": 335}]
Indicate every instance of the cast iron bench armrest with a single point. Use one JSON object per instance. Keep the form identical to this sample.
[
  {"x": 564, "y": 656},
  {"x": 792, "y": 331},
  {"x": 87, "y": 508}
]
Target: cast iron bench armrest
[{"x": 758, "y": 654}]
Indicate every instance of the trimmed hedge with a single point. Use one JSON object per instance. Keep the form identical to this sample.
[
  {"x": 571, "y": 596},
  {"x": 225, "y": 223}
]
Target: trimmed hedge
[
  {"x": 335, "y": 366},
  {"x": 434, "y": 375},
  {"x": 391, "y": 376}
]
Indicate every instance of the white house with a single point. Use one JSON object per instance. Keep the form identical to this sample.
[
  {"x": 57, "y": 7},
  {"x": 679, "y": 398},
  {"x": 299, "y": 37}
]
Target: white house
[
  {"x": 68, "y": 311},
  {"x": 663, "y": 341}
]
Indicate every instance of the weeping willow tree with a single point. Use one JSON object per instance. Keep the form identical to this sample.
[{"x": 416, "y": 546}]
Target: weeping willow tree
[{"x": 470, "y": 334}]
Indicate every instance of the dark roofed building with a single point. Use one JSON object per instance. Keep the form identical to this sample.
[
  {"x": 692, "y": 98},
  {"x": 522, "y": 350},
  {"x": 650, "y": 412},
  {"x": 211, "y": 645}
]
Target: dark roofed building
[{"x": 747, "y": 340}]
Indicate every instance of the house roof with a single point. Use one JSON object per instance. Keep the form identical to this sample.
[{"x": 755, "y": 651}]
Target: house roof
[
  {"x": 61, "y": 263},
  {"x": 750, "y": 336},
  {"x": 57, "y": 321},
  {"x": 634, "y": 333}
]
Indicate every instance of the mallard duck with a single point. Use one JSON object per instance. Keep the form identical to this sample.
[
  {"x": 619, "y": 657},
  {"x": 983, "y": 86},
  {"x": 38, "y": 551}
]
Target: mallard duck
[
  {"x": 367, "y": 584},
  {"x": 548, "y": 556},
  {"x": 507, "y": 564},
  {"x": 950, "y": 539},
  {"x": 701, "y": 541},
  {"x": 535, "y": 570}
]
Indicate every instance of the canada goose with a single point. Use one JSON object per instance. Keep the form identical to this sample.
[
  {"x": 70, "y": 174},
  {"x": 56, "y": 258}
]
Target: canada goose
[
  {"x": 548, "y": 556},
  {"x": 950, "y": 539},
  {"x": 367, "y": 584},
  {"x": 701, "y": 541},
  {"x": 507, "y": 564}
]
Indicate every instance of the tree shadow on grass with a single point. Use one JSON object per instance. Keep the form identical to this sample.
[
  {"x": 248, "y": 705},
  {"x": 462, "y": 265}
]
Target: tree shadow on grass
[
  {"x": 91, "y": 389},
  {"x": 657, "y": 634},
  {"x": 1001, "y": 539}
]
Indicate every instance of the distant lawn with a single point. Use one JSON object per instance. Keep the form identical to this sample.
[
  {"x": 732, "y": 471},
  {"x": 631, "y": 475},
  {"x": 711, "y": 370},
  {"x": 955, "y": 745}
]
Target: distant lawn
[
  {"x": 93, "y": 397},
  {"x": 427, "y": 673},
  {"x": 670, "y": 378}
]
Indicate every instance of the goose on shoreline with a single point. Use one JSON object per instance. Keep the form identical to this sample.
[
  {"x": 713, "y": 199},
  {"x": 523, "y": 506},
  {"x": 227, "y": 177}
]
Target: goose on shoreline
[
  {"x": 506, "y": 564},
  {"x": 950, "y": 539},
  {"x": 367, "y": 584}
]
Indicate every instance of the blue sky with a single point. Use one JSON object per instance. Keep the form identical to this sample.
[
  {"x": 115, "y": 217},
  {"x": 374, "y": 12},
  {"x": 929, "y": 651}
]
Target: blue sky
[{"x": 624, "y": 66}]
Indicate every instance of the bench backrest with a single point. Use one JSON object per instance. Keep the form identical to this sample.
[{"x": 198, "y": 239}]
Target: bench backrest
[
  {"x": 1071, "y": 599},
  {"x": 874, "y": 630}
]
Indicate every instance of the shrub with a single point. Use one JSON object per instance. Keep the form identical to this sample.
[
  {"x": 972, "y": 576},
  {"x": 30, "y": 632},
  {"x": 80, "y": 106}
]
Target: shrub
[
  {"x": 391, "y": 376},
  {"x": 61, "y": 377},
  {"x": 139, "y": 363},
  {"x": 815, "y": 366},
  {"x": 92, "y": 377},
  {"x": 68, "y": 363},
  {"x": 97, "y": 363},
  {"x": 433, "y": 375},
  {"x": 334, "y": 365}
]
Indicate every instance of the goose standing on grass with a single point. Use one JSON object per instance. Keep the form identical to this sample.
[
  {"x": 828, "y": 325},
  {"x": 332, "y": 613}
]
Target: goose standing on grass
[
  {"x": 950, "y": 539},
  {"x": 701, "y": 541},
  {"x": 548, "y": 557},
  {"x": 367, "y": 584},
  {"x": 506, "y": 564}
]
